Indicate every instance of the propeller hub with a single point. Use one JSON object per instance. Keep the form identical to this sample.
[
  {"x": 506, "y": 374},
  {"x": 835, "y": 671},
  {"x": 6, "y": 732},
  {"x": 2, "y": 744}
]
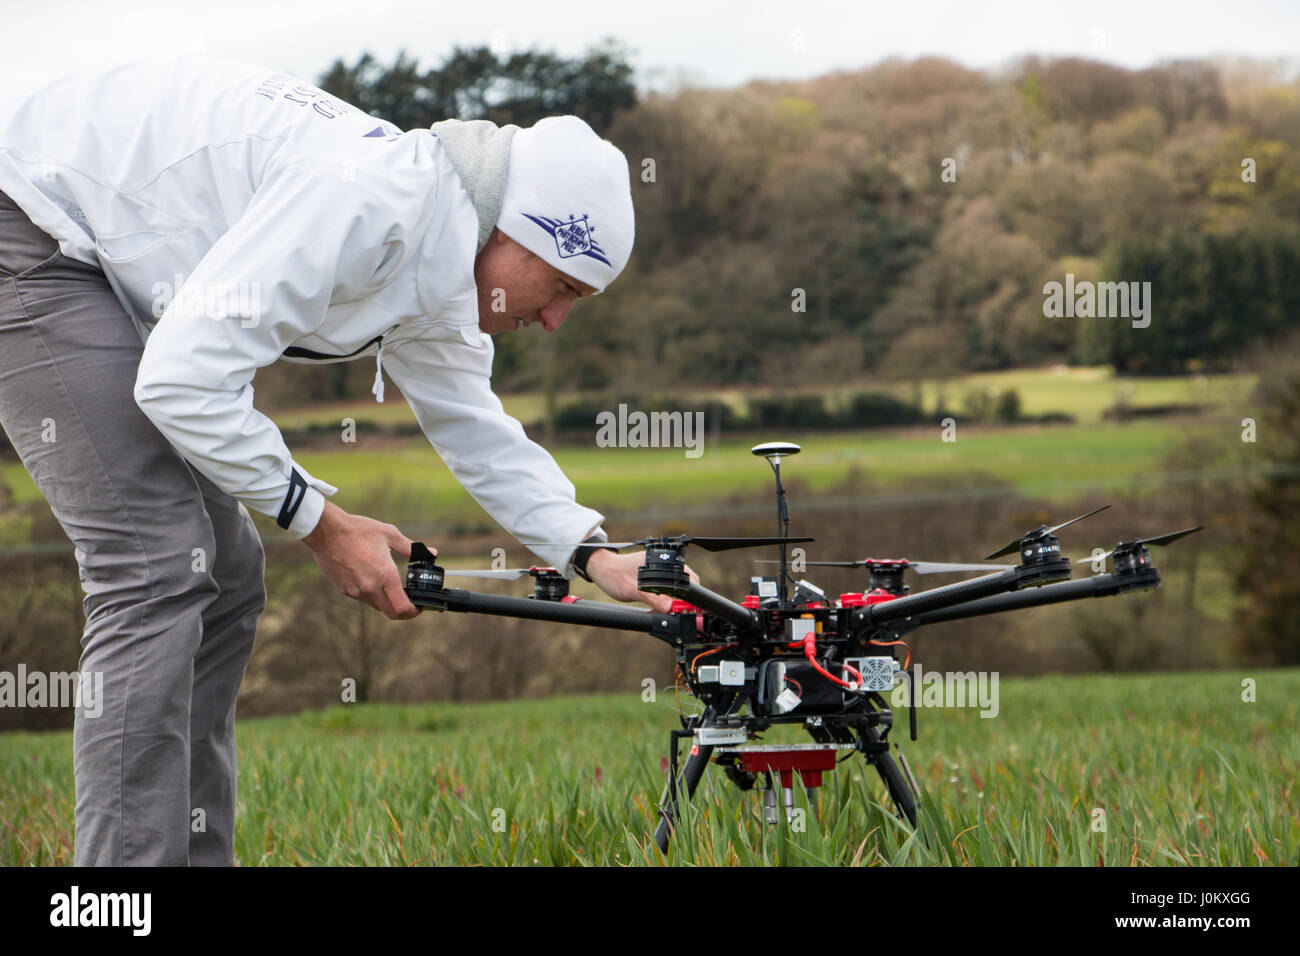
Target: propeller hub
[
  {"x": 1131, "y": 559},
  {"x": 887, "y": 576},
  {"x": 664, "y": 571},
  {"x": 424, "y": 578},
  {"x": 549, "y": 585},
  {"x": 1041, "y": 561},
  {"x": 1045, "y": 548}
]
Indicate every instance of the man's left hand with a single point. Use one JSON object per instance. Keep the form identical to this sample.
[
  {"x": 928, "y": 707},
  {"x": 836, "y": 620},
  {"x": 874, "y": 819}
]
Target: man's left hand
[{"x": 615, "y": 574}]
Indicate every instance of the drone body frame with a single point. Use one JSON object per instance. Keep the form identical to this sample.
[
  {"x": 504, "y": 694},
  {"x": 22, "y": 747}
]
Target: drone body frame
[{"x": 803, "y": 659}]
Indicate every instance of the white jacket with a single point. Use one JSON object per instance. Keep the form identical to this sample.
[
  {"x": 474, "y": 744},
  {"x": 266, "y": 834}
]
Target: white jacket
[{"x": 243, "y": 216}]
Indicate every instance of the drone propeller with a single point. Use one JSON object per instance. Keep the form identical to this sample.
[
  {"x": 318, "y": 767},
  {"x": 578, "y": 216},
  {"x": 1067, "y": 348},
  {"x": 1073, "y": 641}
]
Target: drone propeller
[
  {"x": 1155, "y": 542},
  {"x": 708, "y": 544},
  {"x": 1172, "y": 536},
  {"x": 933, "y": 567},
  {"x": 507, "y": 574},
  {"x": 920, "y": 567},
  {"x": 1041, "y": 531},
  {"x": 420, "y": 552}
]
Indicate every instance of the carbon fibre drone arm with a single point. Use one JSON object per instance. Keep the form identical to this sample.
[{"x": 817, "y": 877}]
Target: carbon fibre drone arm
[
  {"x": 1100, "y": 585},
  {"x": 722, "y": 607},
  {"x": 960, "y": 593},
  {"x": 588, "y": 613}
]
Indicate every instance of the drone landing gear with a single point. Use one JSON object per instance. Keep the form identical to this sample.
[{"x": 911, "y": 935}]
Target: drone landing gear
[
  {"x": 691, "y": 775},
  {"x": 902, "y": 789},
  {"x": 810, "y": 761}
]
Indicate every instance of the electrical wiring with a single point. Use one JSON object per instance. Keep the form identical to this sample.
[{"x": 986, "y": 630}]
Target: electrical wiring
[{"x": 907, "y": 662}]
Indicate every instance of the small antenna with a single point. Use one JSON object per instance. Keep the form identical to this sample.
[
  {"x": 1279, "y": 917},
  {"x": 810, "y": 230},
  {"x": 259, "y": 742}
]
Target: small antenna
[{"x": 774, "y": 451}]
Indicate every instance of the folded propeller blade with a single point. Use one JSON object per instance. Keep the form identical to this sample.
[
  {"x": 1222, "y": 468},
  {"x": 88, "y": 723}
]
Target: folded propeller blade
[
  {"x": 920, "y": 567},
  {"x": 708, "y": 544},
  {"x": 1066, "y": 524},
  {"x": 731, "y": 544},
  {"x": 932, "y": 567},
  {"x": 1173, "y": 536},
  {"x": 509, "y": 574}
]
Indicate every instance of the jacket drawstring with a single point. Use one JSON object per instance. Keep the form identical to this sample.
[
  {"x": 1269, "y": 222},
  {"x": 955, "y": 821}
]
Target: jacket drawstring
[{"x": 377, "y": 389}]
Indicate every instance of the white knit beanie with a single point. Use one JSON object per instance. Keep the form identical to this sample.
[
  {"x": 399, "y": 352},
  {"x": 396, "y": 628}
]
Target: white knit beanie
[{"x": 568, "y": 199}]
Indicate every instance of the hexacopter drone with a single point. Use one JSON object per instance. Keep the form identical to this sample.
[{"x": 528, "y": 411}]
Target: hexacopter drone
[{"x": 801, "y": 658}]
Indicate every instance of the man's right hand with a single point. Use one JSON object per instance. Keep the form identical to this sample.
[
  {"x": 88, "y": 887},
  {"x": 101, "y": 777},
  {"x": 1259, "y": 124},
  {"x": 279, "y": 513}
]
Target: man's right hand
[{"x": 353, "y": 551}]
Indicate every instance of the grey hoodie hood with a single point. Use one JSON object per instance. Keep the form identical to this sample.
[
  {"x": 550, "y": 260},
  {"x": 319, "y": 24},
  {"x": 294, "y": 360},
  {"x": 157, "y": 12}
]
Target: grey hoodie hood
[{"x": 479, "y": 151}]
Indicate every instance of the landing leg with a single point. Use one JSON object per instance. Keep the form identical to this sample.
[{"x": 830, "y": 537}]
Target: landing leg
[
  {"x": 691, "y": 776},
  {"x": 899, "y": 790}
]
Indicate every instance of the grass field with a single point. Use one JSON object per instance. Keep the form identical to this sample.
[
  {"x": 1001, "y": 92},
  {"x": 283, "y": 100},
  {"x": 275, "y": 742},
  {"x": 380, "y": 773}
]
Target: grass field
[
  {"x": 1047, "y": 461},
  {"x": 1041, "y": 460},
  {"x": 1184, "y": 770},
  {"x": 1084, "y": 392}
]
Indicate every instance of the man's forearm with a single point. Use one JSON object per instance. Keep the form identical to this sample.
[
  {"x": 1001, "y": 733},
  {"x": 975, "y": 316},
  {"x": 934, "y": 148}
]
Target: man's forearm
[{"x": 327, "y": 525}]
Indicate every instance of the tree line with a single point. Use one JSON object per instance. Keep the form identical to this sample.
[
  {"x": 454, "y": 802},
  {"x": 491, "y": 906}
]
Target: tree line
[{"x": 901, "y": 220}]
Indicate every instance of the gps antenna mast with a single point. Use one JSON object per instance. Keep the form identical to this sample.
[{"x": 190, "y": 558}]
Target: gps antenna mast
[{"x": 774, "y": 451}]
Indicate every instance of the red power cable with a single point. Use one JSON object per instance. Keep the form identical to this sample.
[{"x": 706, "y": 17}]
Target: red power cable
[{"x": 810, "y": 651}]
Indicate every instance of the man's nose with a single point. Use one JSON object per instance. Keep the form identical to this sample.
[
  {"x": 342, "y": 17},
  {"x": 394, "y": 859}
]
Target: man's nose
[{"x": 553, "y": 315}]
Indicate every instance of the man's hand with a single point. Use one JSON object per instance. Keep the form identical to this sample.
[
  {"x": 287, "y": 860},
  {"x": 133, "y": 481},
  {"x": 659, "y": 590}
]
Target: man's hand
[
  {"x": 353, "y": 551},
  {"x": 615, "y": 574}
]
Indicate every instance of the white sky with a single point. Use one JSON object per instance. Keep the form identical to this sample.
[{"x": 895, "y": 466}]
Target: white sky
[{"x": 705, "y": 41}]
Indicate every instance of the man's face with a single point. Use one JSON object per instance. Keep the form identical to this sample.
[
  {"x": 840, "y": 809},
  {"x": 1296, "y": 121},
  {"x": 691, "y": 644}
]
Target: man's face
[{"x": 517, "y": 288}]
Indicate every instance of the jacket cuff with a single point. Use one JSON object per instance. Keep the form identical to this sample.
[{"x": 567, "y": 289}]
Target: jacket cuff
[
  {"x": 302, "y": 506},
  {"x": 308, "y": 516},
  {"x": 582, "y": 555}
]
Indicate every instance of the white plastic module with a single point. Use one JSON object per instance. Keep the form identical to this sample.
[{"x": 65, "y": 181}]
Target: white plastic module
[
  {"x": 877, "y": 672},
  {"x": 799, "y": 627},
  {"x": 786, "y": 701},
  {"x": 715, "y": 736},
  {"x": 731, "y": 673},
  {"x": 809, "y": 587}
]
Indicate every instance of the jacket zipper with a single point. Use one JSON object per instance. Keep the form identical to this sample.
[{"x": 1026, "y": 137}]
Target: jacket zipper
[
  {"x": 295, "y": 351},
  {"x": 377, "y": 389}
]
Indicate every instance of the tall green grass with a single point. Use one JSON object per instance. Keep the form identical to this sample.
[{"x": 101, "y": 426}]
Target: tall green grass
[{"x": 1186, "y": 772}]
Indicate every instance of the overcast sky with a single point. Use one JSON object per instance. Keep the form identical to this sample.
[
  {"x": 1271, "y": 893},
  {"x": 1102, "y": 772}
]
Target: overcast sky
[{"x": 704, "y": 41}]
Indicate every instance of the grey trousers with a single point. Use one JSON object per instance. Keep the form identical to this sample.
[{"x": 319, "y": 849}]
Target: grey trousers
[{"x": 171, "y": 566}]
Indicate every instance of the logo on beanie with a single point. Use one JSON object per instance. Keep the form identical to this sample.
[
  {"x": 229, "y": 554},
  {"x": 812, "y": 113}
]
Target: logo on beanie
[{"x": 572, "y": 238}]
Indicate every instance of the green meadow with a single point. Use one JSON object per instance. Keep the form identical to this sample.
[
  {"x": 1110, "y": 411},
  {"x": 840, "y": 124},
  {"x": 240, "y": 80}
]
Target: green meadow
[
  {"x": 1082, "y": 391},
  {"x": 1049, "y": 461},
  {"x": 1149, "y": 770}
]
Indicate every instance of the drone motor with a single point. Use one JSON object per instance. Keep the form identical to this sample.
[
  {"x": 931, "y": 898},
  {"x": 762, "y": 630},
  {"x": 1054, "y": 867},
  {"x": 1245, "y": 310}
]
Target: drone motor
[
  {"x": 549, "y": 584},
  {"x": 424, "y": 578},
  {"x": 664, "y": 571},
  {"x": 887, "y": 576},
  {"x": 1041, "y": 561}
]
